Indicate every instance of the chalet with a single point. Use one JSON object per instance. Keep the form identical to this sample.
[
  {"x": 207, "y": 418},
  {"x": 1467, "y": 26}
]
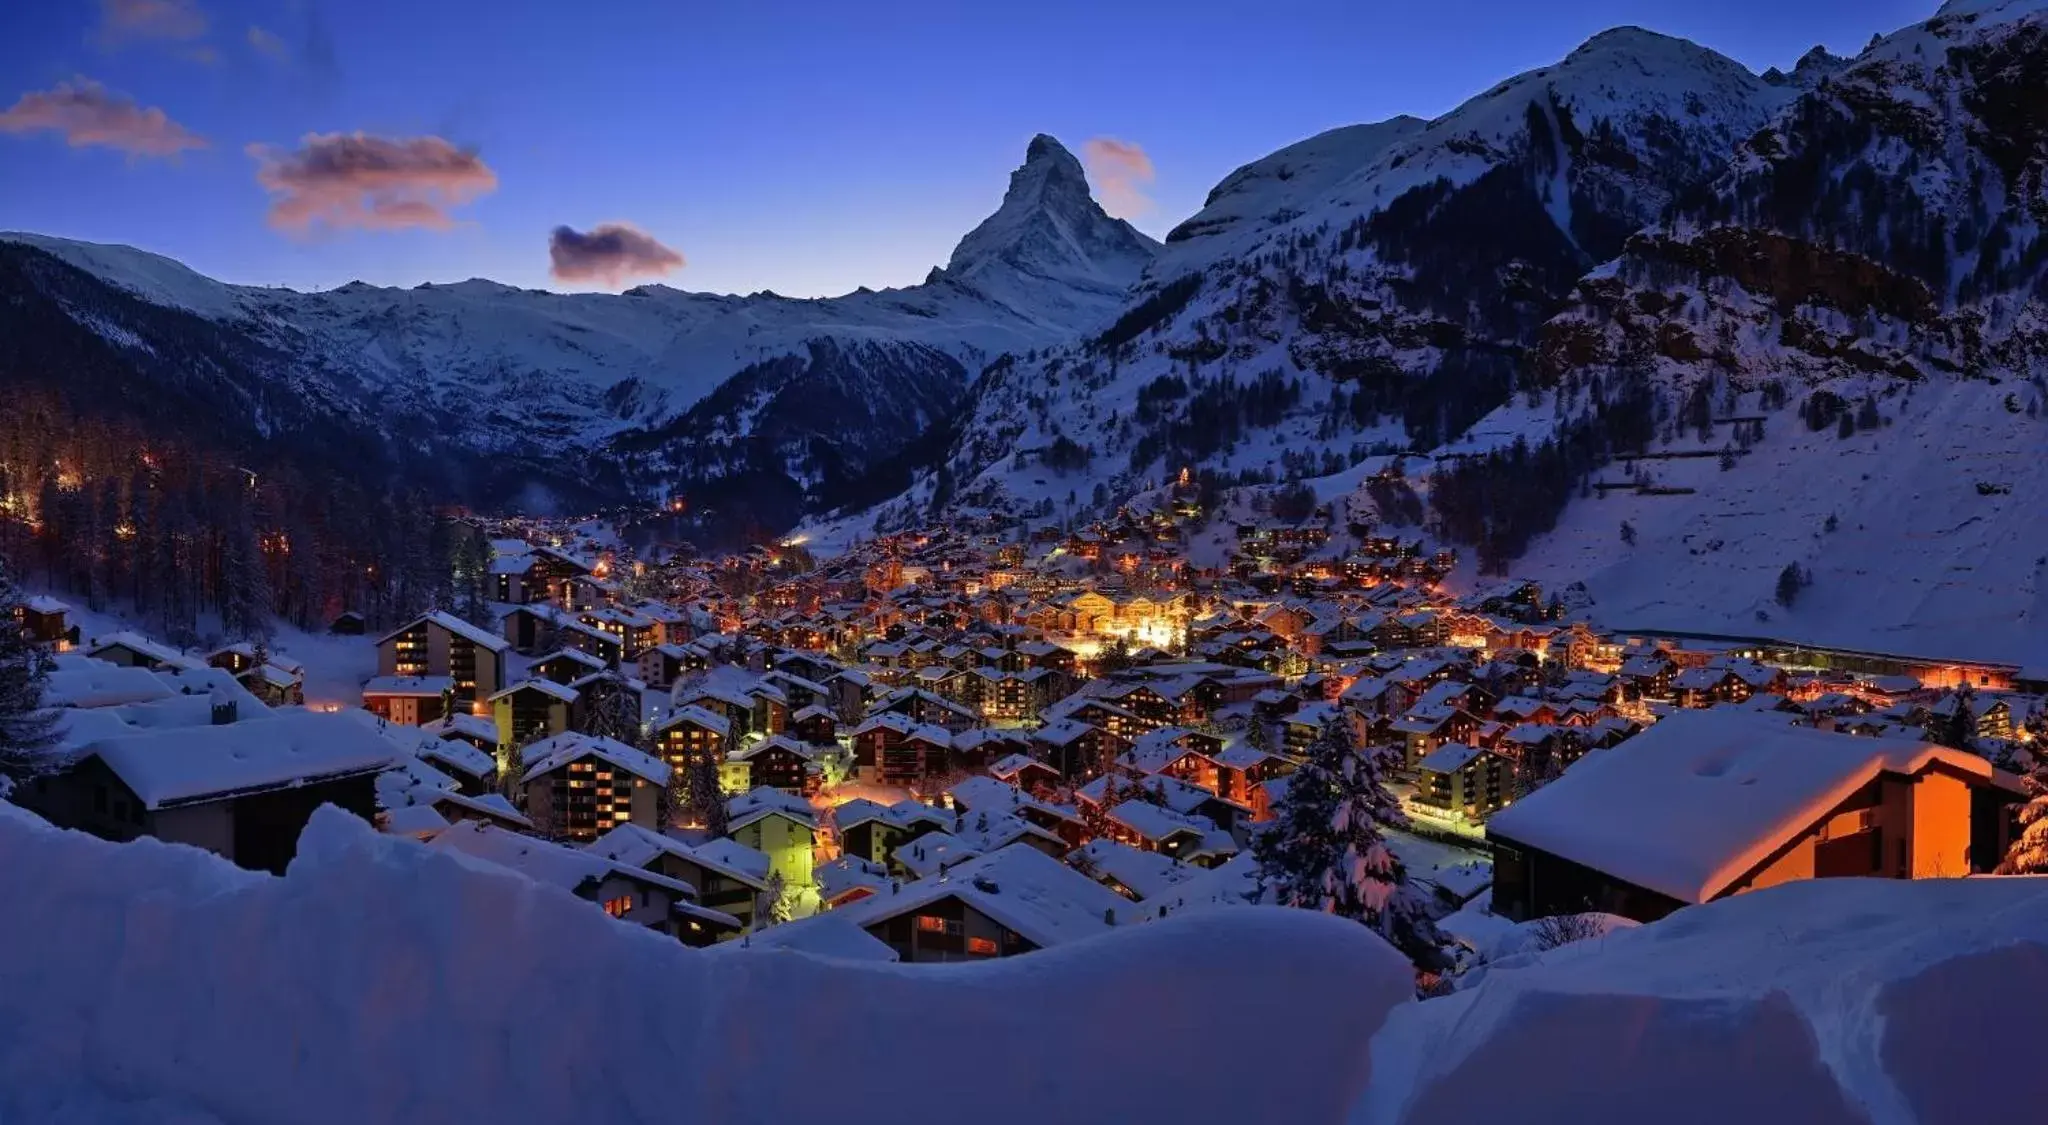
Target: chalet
[
  {"x": 408, "y": 700},
  {"x": 664, "y": 664},
  {"x": 458, "y": 754},
  {"x": 442, "y": 644},
  {"x": 1154, "y": 828},
  {"x": 1131, "y": 872},
  {"x": 1463, "y": 781},
  {"x": 433, "y": 811},
  {"x": 275, "y": 685},
  {"x": 533, "y": 709},
  {"x": 1011, "y": 901},
  {"x": 1649, "y": 675},
  {"x": 867, "y": 831},
  {"x": 132, "y": 650},
  {"x": 815, "y": 725},
  {"x": 931, "y": 854},
  {"x": 1025, "y": 772},
  {"x": 726, "y": 880},
  {"x": 848, "y": 879},
  {"x": 1422, "y": 731},
  {"x": 1707, "y": 804},
  {"x": 579, "y": 786},
  {"x": 348, "y": 623},
  {"x": 242, "y": 790},
  {"x": 925, "y": 707},
  {"x": 1078, "y": 750},
  {"x": 1705, "y": 687},
  {"x": 634, "y": 895},
  {"x": 46, "y": 620},
  {"x": 781, "y": 826},
  {"x": 565, "y": 666},
  {"x": 779, "y": 762},
  {"x": 693, "y": 734},
  {"x": 976, "y": 796}
]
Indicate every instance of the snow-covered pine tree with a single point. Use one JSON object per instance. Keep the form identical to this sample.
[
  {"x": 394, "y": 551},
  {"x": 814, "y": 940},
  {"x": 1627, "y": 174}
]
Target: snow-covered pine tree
[
  {"x": 245, "y": 582},
  {"x": 27, "y": 727},
  {"x": 2029, "y": 853},
  {"x": 1326, "y": 849},
  {"x": 772, "y": 905}
]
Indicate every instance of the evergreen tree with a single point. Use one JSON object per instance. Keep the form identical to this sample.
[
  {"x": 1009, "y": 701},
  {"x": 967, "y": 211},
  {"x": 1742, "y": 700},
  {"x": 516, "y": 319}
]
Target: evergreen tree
[
  {"x": 1791, "y": 581},
  {"x": 1628, "y": 533},
  {"x": 245, "y": 582},
  {"x": 1958, "y": 728},
  {"x": 1326, "y": 850},
  {"x": 27, "y": 728},
  {"x": 2029, "y": 853},
  {"x": 772, "y": 905}
]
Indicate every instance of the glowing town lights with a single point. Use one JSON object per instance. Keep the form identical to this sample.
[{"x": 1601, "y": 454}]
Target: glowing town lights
[{"x": 124, "y": 530}]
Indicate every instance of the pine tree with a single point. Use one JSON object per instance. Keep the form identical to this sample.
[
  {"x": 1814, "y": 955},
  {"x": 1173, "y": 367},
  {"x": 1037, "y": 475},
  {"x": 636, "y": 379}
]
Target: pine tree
[
  {"x": 27, "y": 728},
  {"x": 772, "y": 905},
  {"x": 2029, "y": 853},
  {"x": 1326, "y": 849},
  {"x": 245, "y": 582}
]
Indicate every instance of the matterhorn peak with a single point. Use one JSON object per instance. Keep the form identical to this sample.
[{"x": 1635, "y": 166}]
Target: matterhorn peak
[{"x": 1049, "y": 226}]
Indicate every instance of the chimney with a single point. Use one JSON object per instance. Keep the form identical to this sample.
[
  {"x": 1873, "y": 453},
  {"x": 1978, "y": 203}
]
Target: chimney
[{"x": 223, "y": 708}]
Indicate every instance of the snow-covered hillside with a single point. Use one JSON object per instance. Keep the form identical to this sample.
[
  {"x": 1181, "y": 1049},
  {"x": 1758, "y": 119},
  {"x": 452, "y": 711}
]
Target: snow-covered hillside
[
  {"x": 500, "y": 369},
  {"x": 1366, "y": 290}
]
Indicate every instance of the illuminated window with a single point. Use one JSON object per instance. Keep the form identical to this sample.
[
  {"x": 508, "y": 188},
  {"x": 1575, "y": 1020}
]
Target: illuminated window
[
  {"x": 981, "y": 946},
  {"x": 931, "y": 923},
  {"x": 617, "y": 907}
]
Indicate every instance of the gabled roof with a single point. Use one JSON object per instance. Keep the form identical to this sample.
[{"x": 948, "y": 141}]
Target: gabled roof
[
  {"x": 1025, "y": 890},
  {"x": 696, "y": 716},
  {"x": 1698, "y": 800},
  {"x": 563, "y": 692},
  {"x": 763, "y": 803},
  {"x": 182, "y": 765},
  {"x": 1155, "y": 823},
  {"x": 551, "y": 754},
  {"x": 638, "y": 846},
  {"x": 482, "y": 638},
  {"x": 1144, "y": 873},
  {"x": 414, "y": 687},
  {"x": 143, "y": 646}
]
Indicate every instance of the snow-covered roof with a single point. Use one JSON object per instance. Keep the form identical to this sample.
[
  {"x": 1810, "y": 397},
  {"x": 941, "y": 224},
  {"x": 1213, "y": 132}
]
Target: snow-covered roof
[
  {"x": 552, "y": 753},
  {"x": 179, "y": 765},
  {"x": 829, "y": 935},
  {"x": 1025, "y": 890},
  {"x": 764, "y": 802},
  {"x": 1144, "y": 873},
  {"x": 563, "y": 692},
  {"x": 79, "y": 681},
  {"x": 421, "y": 687},
  {"x": 696, "y": 716},
  {"x": 931, "y": 853},
  {"x": 1698, "y": 800},
  {"x": 557, "y": 865},
  {"x": 482, "y": 638},
  {"x": 143, "y": 646},
  {"x": 1450, "y": 757}
]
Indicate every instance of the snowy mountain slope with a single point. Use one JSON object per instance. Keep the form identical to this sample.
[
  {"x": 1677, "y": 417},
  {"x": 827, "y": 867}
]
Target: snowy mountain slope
[
  {"x": 1936, "y": 546},
  {"x": 1880, "y": 241},
  {"x": 544, "y": 375},
  {"x": 1379, "y": 297}
]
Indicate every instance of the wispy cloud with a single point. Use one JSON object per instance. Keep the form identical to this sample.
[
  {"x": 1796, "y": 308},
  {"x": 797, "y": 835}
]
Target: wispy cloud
[
  {"x": 266, "y": 42},
  {"x": 358, "y": 180},
  {"x": 87, "y": 114},
  {"x": 610, "y": 253},
  {"x": 151, "y": 19},
  {"x": 1122, "y": 173}
]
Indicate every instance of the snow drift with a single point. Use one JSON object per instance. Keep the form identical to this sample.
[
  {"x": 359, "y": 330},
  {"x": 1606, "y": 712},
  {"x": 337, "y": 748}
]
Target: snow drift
[
  {"x": 380, "y": 981},
  {"x": 1840, "y": 1000}
]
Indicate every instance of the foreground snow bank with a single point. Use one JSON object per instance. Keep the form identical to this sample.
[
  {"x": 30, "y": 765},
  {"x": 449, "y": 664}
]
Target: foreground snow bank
[
  {"x": 1837, "y": 1001},
  {"x": 379, "y": 981}
]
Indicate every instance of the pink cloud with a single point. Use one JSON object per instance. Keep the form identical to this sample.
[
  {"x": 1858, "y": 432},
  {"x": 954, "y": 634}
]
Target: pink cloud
[
  {"x": 610, "y": 253},
  {"x": 1121, "y": 172},
  {"x": 267, "y": 42},
  {"x": 151, "y": 19},
  {"x": 379, "y": 183},
  {"x": 87, "y": 114}
]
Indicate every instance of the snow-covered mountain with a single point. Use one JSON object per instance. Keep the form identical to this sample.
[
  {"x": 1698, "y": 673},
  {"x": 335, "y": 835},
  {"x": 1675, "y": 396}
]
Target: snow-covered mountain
[
  {"x": 540, "y": 377},
  {"x": 1370, "y": 289},
  {"x": 1824, "y": 290},
  {"x": 1871, "y": 277}
]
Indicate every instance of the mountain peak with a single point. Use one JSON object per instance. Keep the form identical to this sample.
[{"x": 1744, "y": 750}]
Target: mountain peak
[{"x": 1050, "y": 227}]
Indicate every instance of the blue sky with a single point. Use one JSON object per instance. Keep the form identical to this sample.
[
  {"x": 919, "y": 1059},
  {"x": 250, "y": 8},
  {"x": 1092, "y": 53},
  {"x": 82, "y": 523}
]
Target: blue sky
[{"x": 802, "y": 147}]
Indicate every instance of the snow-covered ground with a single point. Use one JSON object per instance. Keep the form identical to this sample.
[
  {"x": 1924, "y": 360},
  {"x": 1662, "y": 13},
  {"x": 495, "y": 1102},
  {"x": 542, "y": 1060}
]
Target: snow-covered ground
[
  {"x": 336, "y": 666},
  {"x": 1844, "y": 1001},
  {"x": 1921, "y": 562},
  {"x": 382, "y": 981}
]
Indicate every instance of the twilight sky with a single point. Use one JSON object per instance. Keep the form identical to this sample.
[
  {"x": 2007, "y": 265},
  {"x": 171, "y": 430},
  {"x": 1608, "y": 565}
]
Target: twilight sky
[{"x": 806, "y": 147}]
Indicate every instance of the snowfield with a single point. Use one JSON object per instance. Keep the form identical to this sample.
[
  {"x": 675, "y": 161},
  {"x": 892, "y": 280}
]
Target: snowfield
[
  {"x": 1938, "y": 550},
  {"x": 1843, "y": 1001},
  {"x": 382, "y": 981}
]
